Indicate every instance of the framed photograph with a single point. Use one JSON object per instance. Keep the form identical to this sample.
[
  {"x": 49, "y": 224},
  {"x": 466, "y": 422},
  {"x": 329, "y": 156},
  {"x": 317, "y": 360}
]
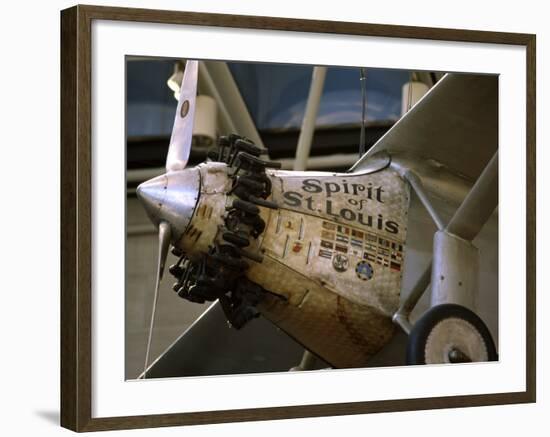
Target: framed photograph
[{"x": 268, "y": 218}]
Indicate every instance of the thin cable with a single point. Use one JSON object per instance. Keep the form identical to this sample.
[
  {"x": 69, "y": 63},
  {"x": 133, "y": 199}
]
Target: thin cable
[
  {"x": 362, "y": 79},
  {"x": 409, "y": 96}
]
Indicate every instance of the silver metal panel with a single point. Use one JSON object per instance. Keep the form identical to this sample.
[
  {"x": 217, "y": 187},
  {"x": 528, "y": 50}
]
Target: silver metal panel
[
  {"x": 455, "y": 271},
  {"x": 419, "y": 251},
  {"x": 209, "y": 214},
  {"x": 455, "y": 124},
  {"x": 376, "y": 201},
  {"x": 478, "y": 205},
  {"x": 346, "y": 232}
]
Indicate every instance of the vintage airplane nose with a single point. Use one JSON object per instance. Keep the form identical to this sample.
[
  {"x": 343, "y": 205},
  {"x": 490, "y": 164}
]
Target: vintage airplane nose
[{"x": 171, "y": 197}]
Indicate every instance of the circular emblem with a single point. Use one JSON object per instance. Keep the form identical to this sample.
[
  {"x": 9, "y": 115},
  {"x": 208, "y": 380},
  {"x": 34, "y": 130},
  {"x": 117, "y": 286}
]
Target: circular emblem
[
  {"x": 340, "y": 262},
  {"x": 184, "y": 108},
  {"x": 364, "y": 270}
]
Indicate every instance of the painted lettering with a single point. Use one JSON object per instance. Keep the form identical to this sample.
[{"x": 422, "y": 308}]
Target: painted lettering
[
  {"x": 312, "y": 186},
  {"x": 292, "y": 198},
  {"x": 392, "y": 227}
]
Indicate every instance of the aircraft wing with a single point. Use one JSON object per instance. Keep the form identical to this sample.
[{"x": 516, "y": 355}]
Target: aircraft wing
[{"x": 455, "y": 124}]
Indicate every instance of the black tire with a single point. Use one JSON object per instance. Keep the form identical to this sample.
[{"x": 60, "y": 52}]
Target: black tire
[{"x": 420, "y": 333}]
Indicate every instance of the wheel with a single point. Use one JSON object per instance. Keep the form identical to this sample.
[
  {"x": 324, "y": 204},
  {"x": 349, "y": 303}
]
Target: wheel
[{"x": 450, "y": 333}]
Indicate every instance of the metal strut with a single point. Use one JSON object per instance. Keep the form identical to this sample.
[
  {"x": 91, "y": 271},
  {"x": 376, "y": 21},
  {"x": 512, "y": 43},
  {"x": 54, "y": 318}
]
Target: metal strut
[{"x": 454, "y": 269}]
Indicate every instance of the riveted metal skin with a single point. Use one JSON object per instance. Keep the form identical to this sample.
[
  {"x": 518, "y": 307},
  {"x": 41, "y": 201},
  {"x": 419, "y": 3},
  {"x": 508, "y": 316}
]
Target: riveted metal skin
[
  {"x": 340, "y": 331},
  {"x": 361, "y": 216},
  {"x": 320, "y": 216},
  {"x": 323, "y": 217},
  {"x": 210, "y": 209}
]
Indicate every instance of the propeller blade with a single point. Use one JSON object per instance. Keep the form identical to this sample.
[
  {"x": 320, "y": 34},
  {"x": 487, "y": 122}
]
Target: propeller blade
[
  {"x": 164, "y": 243},
  {"x": 182, "y": 133}
]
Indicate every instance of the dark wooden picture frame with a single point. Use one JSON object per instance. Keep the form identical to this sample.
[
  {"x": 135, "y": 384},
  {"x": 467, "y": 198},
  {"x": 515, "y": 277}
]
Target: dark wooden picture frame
[{"x": 76, "y": 217}]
